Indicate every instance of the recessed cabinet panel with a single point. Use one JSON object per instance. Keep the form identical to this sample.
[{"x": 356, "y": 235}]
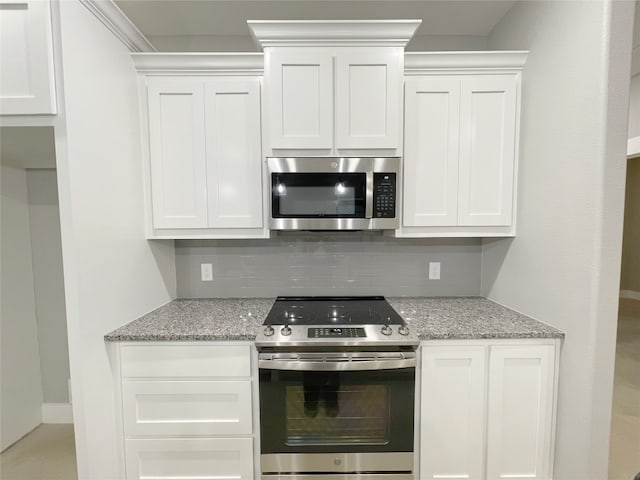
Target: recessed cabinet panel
[
  {"x": 300, "y": 99},
  {"x": 27, "y": 84},
  {"x": 175, "y": 360},
  {"x": 431, "y": 151},
  {"x": 186, "y": 407},
  {"x": 488, "y": 122},
  {"x": 234, "y": 163},
  {"x": 520, "y": 411},
  {"x": 453, "y": 413},
  {"x": 367, "y": 99},
  {"x": 189, "y": 459},
  {"x": 177, "y": 153}
]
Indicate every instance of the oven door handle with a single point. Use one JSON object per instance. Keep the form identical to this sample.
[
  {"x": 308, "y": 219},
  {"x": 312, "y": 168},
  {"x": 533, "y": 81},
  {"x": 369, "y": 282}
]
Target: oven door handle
[{"x": 336, "y": 366}]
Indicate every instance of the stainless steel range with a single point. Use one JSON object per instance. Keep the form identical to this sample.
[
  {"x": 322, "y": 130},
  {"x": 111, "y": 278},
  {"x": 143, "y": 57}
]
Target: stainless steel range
[{"x": 337, "y": 390}]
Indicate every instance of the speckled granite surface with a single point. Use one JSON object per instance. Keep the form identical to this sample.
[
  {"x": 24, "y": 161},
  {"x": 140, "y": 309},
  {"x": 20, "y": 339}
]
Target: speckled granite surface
[
  {"x": 239, "y": 319},
  {"x": 467, "y": 318},
  {"x": 200, "y": 319}
]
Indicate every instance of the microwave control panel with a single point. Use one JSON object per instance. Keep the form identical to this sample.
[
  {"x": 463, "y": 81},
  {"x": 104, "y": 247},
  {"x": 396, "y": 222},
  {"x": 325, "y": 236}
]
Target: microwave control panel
[{"x": 384, "y": 195}]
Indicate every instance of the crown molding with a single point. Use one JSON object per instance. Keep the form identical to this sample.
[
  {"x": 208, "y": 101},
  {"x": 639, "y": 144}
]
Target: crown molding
[
  {"x": 196, "y": 62},
  {"x": 112, "y": 17},
  {"x": 421, "y": 62},
  {"x": 277, "y": 33}
]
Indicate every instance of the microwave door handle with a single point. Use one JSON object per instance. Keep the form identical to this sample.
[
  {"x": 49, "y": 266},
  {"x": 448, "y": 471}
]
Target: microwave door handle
[
  {"x": 368, "y": 211},
  {"x": 338, "y": 366}
]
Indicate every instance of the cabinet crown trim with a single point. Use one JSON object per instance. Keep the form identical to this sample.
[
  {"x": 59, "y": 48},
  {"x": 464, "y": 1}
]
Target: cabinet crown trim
[
  {"x": 196, "y": 62},
  {"x": 115, "y": 20},
  {"x": 418, "y": 62},
  {"x": 272, "y": 33}
]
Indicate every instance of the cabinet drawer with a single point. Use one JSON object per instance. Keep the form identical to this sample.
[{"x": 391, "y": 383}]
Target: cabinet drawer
[
  {"x": 185, "y": 361},
  {"x": 190, "y": 459},
  {"x": 187, "y": 408}
]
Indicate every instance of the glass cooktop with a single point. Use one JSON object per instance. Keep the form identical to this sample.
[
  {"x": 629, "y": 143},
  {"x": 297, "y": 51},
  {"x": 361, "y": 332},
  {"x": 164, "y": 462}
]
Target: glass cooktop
[{"x": 332, "y": 311}]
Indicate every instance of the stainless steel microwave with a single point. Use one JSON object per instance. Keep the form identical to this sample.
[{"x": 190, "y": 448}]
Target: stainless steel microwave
[{"x": 334, "y": 193}]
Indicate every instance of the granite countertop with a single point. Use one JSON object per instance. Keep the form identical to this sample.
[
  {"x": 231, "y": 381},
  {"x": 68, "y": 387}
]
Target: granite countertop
[{"x": 431, "y": 318}]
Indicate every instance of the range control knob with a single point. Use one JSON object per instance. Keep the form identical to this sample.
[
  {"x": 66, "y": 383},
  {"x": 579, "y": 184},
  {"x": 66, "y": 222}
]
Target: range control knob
[
  {"x": 403, "y": 330},
  {"x": 286, "y": 330},
  {"x": 268, "y": 331},
  {"x": 386, "y": 330}
]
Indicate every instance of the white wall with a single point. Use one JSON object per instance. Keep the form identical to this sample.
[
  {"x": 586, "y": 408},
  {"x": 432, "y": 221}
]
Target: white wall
[
  {"x": 20, "y": 388},
  {"x": 563, "y": 267},
  {"x": 112, "y": 274},
  {"x": 46, "y": 249}
]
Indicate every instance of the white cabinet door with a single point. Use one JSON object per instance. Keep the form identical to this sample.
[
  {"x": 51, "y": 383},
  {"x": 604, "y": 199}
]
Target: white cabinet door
[
  {"x": 177, "y": 153},
  {"x": 27, "y": 83},
  {"x": 487, "y": 150},
  {"x": 452, "y": 412},
  {"x": 521, "y": 382},
  {"x": 368, "y": 98},
  {"x": 189, "y": 459},
  {"x": 234, "y": 163},
  {"x": 432, "y": 119},
  {"x": 169, "y": 408},
  {"x": 300, "y": 98}
]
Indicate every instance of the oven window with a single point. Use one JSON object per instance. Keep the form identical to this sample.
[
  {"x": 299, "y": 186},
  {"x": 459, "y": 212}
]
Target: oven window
[
  {"x": 318, "y": 195},
  {"x": 323, "y": 412}
]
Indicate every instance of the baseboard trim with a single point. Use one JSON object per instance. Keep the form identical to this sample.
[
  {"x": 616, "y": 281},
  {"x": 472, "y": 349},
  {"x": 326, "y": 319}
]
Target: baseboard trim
[
  {"x": 57, "y": 413},
  {"x": 630, "y": 294}
]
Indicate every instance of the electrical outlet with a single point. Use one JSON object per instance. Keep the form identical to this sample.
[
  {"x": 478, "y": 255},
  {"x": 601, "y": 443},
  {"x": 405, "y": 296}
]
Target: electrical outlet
[
  {"x": 206, "y": 272},
  {"x": 434, "y": 270}
]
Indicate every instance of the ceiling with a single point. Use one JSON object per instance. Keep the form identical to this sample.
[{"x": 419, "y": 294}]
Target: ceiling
[{"x": 227, "y": 18}]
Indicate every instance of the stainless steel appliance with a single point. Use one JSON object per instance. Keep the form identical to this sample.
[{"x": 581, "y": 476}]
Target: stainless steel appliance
[
  {"x": 337, "y": 390},
  {"x": 331, "y": 193}
]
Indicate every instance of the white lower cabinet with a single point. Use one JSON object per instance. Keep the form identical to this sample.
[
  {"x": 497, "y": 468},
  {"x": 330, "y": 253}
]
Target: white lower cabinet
[
  {"x": 453, "y": 412},
  {"x": 186, "y": 410},
  {"x": 166, "y": 407},
  {"x": 487, "y": 410},
  {"x": 189, "y": 459},
  {"x": 521, "y": 392}
]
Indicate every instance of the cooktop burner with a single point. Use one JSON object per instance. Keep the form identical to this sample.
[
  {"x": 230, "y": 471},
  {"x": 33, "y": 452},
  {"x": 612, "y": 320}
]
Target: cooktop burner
[{"x": 332, "y": 311}]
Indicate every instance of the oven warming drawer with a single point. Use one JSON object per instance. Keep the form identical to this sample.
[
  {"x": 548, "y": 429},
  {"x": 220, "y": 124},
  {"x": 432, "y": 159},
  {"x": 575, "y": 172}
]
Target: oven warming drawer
[
  {"x": 342, "y": 476},
  {"x": 282, "y": 463}
]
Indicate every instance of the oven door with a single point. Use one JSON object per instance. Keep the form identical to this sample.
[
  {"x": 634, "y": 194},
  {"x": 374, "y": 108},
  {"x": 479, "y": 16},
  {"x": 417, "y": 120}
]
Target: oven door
[{"x": 337, "y": 413}]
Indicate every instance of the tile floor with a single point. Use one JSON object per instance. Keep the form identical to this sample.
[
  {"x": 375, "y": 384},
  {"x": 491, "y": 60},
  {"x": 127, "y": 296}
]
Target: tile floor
[
  {"x": 624, "y": 456},
  {"x": 47, "y": 453}
]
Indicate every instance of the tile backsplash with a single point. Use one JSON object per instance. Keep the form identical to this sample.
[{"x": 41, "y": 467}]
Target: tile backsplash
[{"x": 345, "y": 263}]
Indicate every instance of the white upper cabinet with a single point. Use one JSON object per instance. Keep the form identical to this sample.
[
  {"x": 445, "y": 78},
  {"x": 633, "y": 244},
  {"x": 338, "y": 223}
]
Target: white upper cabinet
[
  {"x": 488, "y": 110},
  {"x": 461, "y": 132},
  {"x": 300, "y": 111},
  {"x": 27, "y": 84},
  {"x": 334, "y": 87},
  {"x": 432, "y": 131},
  {"x": 177, "y": 153},
  {"x": 204, "y": 166},
  {"x": 234, "y": 165},
  {"x": 368, "y": 94}
]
